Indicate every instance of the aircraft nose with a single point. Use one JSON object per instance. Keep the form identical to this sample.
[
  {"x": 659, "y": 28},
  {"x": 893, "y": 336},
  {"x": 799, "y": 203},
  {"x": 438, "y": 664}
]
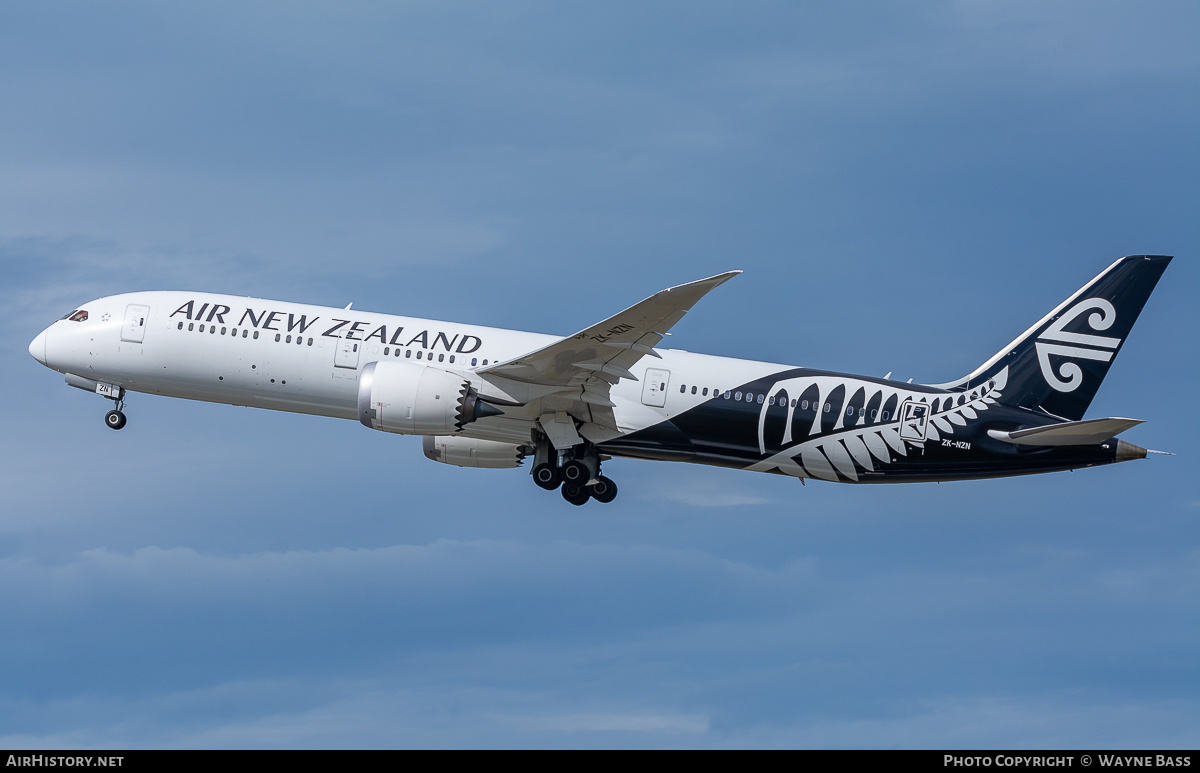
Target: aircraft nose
[{"x": 37, "y": 347}]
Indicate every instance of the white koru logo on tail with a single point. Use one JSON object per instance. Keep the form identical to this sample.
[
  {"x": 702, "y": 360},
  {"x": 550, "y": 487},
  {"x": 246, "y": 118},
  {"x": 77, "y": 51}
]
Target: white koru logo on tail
[{"x": 1092, "y": 348}]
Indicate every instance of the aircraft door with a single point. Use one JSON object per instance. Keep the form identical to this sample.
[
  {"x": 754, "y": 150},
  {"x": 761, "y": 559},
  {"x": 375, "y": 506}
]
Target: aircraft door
[
  {"x": 654, "y": 389},
  {"x": 134, "y": 328},
  {"x": 914, "y": 419},
  {"x": 345, "y": 354}
]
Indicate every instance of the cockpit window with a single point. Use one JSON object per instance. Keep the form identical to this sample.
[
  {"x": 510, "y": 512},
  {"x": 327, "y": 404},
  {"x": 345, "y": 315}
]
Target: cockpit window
[{"x": 79, "y": 315}]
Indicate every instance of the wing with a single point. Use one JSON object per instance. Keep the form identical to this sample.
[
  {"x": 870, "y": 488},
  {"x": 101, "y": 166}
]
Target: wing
[{"x": 584, "y": 366}]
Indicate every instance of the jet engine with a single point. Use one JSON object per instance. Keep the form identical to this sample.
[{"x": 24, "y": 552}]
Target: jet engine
[
  {"x": 416, "y": 400},
  {"x": 470, "y": 452}
]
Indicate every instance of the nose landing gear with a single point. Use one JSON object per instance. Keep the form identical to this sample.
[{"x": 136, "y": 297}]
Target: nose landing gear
[{"x": 115, "y": 418}]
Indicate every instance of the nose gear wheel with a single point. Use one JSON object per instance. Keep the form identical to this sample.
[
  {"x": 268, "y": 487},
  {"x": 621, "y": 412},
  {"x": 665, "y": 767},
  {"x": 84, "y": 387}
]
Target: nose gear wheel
[{"x": 115, "y": 419}]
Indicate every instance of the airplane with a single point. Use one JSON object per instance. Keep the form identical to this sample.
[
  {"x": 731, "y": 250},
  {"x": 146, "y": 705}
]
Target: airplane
[{"x": 487, "y": 397}]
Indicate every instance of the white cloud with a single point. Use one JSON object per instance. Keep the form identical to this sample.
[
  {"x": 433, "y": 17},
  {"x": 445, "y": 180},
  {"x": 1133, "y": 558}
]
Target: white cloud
[
  {"x": 638, "y": 723},
  {"x": 699, "y": 490},
  {"x": 1033, "y": 721}
]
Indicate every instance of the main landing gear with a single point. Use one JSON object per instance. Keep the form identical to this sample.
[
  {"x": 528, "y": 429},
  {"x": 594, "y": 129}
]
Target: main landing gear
[
  {"x": 578, "y": 476},
  {"x": 115, "y": 418}
]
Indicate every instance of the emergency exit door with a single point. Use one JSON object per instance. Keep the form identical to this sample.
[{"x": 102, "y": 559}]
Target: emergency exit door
[
  {"x": 346, "y": 353},
  {"x": 654, "y": 389}
]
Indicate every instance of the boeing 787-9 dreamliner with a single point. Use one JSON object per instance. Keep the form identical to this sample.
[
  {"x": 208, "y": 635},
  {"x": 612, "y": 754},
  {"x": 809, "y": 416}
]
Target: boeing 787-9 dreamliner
[{"x": 485, "y": 397}]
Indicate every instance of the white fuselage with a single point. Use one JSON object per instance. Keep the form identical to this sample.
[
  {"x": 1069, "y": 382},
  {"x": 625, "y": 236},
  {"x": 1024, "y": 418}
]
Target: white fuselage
[{"x": 307, "y": 359}]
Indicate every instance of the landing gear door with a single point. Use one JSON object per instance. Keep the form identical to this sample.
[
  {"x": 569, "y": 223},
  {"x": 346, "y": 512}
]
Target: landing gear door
[
  {"x": 134, "y": 329},
  {"x": 654, "y": 387},
  {"x": 914, "y": 419}
]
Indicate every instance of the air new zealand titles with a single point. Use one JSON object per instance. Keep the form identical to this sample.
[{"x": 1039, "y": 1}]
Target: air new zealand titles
[{"x": 336, "y": 328}]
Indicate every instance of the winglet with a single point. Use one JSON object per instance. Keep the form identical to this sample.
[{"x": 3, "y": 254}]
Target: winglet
[{"x": 709, "y": 283}]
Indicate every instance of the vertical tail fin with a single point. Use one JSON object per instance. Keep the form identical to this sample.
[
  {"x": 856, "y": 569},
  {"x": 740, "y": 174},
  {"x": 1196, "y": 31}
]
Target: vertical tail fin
[{"x": 1057, "y": 365}]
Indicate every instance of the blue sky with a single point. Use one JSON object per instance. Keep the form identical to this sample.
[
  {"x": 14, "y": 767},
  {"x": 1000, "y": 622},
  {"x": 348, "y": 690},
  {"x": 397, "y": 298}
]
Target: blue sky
[{"x": 907, "y": 187}]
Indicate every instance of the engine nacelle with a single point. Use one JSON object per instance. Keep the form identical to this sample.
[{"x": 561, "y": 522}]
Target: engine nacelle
[
  {"x": 411, "y": 399},
  {"x": 470, "y": 452}
]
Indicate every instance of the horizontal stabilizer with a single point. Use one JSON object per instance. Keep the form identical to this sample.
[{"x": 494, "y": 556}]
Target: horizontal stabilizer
[{"x": 1072, "y": 433}]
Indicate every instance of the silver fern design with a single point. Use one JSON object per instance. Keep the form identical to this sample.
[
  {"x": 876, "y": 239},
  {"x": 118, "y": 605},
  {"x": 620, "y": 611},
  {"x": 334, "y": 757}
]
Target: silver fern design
[{"x": 869, "y": 430}]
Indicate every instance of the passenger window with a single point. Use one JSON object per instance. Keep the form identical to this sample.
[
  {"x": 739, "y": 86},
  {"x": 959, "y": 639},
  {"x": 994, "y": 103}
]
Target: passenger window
[
  {"x": 828, "y": 406},
  {"x": 233, "y": 332},
  {"x": 180, "y": 326},
  {"x": 202, "y": 328},
  {"x": 874, "y": 414},
  {"x": 212, "y": 329},
  {"x": 474, "y": 361},
  {"x": 682, "y": 389},
  {"x": 485, "y": 362},
  {"x": 310, "y": 342},
  {"x": 726, "y": 394},
  {"x": 704, "y": 391},
  {"x": 441, "y": 358},
  {"x": 408, "y": 353},
  {"x": 256, "y": 334},
  {"x": 289, "y": 340},
  {"x": 737, "y": 396},
  {"x": 191, "y": 326},
  {"x": 862, "y": 412},
  {"x": 452, "y": 358},
  {"x": 850, "y": 411},
  {"x": 420, "y": 355},
  {"x": 760, "y": 399},
  {"x": 386, "y": 351},
  {"x": 222, "y": 331},
  {"x": 885, "y": 415},
  {"x": 793, "y": 402},
  {"x": 693, "y": 390},
  {"x": 276, "y": 338}
]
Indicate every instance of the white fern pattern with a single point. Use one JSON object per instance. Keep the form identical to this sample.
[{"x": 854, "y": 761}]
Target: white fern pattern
[{"x": 854, "y": 443}]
